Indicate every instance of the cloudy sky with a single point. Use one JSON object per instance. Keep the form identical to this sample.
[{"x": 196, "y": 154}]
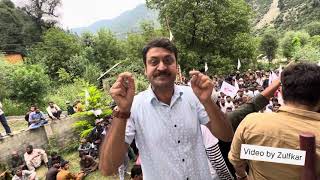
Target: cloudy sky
[{"x": 79, "y": 13}]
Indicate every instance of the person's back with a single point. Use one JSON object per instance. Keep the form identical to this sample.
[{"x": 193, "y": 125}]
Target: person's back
[{"x": 279, "y": 130}]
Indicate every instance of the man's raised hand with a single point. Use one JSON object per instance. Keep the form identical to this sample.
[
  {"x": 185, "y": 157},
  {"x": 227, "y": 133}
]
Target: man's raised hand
[
  {"x": 123, "y": 91},
  {"x": 201, "y": 85}
]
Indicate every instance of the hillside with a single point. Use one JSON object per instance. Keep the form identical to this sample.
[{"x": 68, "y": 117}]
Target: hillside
[
  {"x": 285, "y": 14},
  {"x": 126, "y": 22}
]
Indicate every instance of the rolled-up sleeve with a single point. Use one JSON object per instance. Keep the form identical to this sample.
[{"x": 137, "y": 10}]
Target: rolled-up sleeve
[
  {"x": 202, "y": 114},
  {"x": 130, "y": 131}
]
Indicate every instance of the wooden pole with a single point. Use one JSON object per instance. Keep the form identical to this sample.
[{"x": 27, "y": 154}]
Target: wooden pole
[{"x": 308, "y": 144}]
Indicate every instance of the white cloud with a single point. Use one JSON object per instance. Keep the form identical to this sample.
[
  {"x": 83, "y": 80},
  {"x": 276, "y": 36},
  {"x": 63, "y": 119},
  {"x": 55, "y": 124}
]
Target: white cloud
[{"x": 77, "y": 13}]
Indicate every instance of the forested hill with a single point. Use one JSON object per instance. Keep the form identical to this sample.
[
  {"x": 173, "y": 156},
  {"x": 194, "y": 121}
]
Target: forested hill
[{"x": 285, "y": 14}]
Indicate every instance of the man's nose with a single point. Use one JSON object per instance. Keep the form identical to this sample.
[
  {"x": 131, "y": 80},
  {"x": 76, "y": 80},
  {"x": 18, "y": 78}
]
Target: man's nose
[{"x": 162, "y": 66}]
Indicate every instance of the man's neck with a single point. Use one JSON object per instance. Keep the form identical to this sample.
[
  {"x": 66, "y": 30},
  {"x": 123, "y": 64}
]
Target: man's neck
[
  {"x": 301, "y": 106},
  {"x": 164, "y": 94}
]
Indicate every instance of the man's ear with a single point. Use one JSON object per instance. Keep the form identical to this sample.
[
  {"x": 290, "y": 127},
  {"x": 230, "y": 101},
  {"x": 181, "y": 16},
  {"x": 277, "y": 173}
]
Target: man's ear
[{"x": 145, "y": 70}]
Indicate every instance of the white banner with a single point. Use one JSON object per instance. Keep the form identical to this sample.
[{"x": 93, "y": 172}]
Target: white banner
[
  {"x": 271, "y": 154},
  {"x": 228, "y": 89}
]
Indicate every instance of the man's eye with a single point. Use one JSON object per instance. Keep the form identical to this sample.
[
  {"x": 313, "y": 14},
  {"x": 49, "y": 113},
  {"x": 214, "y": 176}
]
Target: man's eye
[
  {"x": 168, "y": 60},
  {"x": 154, "y": 62}
]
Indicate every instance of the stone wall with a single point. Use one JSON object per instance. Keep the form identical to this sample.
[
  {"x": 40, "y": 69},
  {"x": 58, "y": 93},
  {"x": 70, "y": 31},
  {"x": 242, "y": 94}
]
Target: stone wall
[{"x": 62, "y": 130}]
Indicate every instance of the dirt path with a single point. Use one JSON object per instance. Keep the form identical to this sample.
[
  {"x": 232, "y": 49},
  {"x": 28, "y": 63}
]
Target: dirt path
[{"x": 271, "y": 15}]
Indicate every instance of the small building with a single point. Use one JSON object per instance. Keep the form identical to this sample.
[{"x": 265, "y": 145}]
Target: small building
[{"x": 13, "y": 57}]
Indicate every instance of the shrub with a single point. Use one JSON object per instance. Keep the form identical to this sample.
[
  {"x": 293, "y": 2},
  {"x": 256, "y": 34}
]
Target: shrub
[
  {"x": 66, "y": 92},
  {"x": 29, "y": 83}
]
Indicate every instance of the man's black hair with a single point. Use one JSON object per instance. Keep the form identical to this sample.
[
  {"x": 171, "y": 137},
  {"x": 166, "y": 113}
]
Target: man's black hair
[
  {"x": 160, "y": 43},
  {"x": 301, "y": 84},
  {"x": 136, "y": 171}
]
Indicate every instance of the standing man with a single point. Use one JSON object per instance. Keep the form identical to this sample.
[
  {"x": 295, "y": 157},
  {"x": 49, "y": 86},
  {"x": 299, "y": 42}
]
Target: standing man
[
  {"x": 164, "y": 120},
  {"x": 4, "y": 122},
  {"x": 281, "y": 129}
]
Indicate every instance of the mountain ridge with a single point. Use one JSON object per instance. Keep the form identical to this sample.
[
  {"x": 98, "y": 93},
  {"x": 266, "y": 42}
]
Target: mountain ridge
[{"x": 127, "y": 21}]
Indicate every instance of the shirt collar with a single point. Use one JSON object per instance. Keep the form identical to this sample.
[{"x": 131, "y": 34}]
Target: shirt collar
[
  {"x": 177, "y": 93},
  {"x": 300, "y": 112}
]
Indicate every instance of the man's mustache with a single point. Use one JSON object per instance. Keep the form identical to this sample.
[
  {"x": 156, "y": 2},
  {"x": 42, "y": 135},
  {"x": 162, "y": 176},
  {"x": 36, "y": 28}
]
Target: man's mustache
[{"x": 161, "y": 73}]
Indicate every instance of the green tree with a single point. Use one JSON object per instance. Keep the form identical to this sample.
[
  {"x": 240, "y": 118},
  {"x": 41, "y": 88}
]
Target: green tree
[
  {"x": 307, "y": 53},
  {"x": 59, "y": 49},
  {"x": 29, "y": 83},
  {"x": 106, "y": 49},
  {"x": 206, "y": 27},
  {"x": 313, "y": 28},
  {"x": 269, "y": 44},
  {"x": 293, "y": 41},
  {"x": 16, "y": 28}
]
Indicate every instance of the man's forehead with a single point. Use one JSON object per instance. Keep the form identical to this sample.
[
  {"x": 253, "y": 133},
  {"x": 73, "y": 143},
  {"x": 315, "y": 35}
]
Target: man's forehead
[{"x": 159, "y": 52}]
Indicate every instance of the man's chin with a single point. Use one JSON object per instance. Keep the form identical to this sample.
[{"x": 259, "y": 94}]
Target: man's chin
[{"x": 162, "y": 83}]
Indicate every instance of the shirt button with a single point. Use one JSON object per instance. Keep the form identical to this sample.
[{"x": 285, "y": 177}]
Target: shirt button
[
  {"x": 175, "y": 125},
  {"x": 182, "y": 160},
  {"x": 187, "y": 178},
  {"x": 178, "y": 141}
]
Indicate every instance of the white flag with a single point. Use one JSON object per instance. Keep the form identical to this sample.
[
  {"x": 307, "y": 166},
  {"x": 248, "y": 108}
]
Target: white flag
[
  {"x": 170, "y": 36},
  {"x": 236, "y": 85},
  {"x": 273, "y": 76},
  {"x": 280, "y": 69},
  {"x": 228, "y": 89},
  {"x": 205, "y": 67},
  {"x": 319, "y": 63},
  {"x": 239, "y": 64}
]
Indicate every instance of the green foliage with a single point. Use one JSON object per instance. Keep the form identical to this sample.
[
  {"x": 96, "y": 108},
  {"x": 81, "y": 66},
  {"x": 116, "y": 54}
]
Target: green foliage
[
  {"x": 203, "y": 28},
  {"x": 66, "y": 92},
  {"x": 17, "y": 29},
  {"x": 313, "y": 28},
  {"x": 95, "y": 99},
  {"x": 296, "y": 14},
  {"x": 64, "y": 76},
  {"x": 315, "y": 41},
  {"x": 84, "y": 127},
  {"x": 14, "y": 108},
  {"x": 5, "y": 70},
  {"x": 53, "y": 146},
  {"x": 106, "y": 49},
  {"x": 292, "y": 41},
  {"x": 55, "y": 52},
  {"x": 29, "y": 83},
  {"x": 307, "y": 53},
  {"x": 269, "y": 44}
]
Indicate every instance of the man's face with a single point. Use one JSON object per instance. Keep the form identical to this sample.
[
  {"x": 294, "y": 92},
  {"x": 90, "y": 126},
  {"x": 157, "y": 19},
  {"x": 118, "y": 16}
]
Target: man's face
[
  {"x": 32, "y": 109},
  {"x": 15, "y": 155},
  {"x": 240, "y": 93},
  {"x": 161, "y": 67},
  {"x": 138, "y": 177},
  {"x": 51, "y": 105},
  {"x": 29, "y": 150},
  {"x": 275, "y": 108},
  {"x": 228, "y": 99},
  {"x": 19, "y": 173},
  {"x": 222, "y": 101}
]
